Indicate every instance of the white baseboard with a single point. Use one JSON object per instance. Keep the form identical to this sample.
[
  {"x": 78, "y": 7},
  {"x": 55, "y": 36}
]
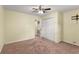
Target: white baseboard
[
  {"x": 1, "y": 47},
  {"x": 19, "y": 40},
  {"x": 56, "y": 41},
  {"x": 71, "y": 42}
]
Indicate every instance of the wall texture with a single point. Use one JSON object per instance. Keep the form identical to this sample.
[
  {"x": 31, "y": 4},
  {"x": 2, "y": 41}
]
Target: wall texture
[
  {"x": 71, "y": 28},
  {"x": 19, "y": 26},
  {"x": 1, "y": 28},
  {"x": 60, "y": 25}
]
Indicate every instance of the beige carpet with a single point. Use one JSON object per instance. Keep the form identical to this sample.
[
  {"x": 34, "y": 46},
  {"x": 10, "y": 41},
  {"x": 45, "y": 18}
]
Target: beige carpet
[{"x": 39, "y": 46}]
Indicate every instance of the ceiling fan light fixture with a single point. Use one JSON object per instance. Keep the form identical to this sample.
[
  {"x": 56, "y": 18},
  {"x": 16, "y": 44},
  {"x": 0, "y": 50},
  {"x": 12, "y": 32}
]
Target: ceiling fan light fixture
[{"x": 40, "y": 12}]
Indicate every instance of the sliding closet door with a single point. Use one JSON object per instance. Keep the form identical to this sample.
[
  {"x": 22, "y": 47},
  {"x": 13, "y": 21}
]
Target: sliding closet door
[
  {"x": 48, "y": 29},
  {"x": 43, "y": 28}
]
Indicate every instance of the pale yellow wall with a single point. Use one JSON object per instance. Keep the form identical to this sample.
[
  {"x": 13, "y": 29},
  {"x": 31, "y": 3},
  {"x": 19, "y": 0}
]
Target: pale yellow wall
[
  {"x": 60, "y": 25},
  {"x": 19, "y": 26},
  {"x": 70, "y": 28},
  {"x": 1, "y": 28},
  {"x": 58, "y": 17}
]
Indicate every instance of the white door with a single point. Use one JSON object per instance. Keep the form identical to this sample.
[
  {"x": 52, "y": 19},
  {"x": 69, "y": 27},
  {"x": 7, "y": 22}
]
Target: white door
[{"x": 48, "y": 29}]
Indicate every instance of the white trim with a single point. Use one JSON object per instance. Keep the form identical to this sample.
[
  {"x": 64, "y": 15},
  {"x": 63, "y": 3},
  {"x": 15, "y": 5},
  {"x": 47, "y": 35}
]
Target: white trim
[
  {"x": 77, "y": 44},
  {"x": 1, "y": 48},
  {"x": 18, "y": 40}
]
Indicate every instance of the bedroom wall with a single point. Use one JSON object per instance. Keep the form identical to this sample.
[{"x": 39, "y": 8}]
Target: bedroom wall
[
  {"x": 19, "y": 26},
  {"x": 1, "y": 28},
  {"x": 71, "y": 28},
  {"x": 60, "y": 25}
]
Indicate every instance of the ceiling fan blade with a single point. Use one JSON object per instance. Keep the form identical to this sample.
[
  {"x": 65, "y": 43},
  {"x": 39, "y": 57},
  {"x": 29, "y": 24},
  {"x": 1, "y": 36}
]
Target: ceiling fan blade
[
  {"x": 34, "y": 9},
  {"x": 47, "y": 9}
]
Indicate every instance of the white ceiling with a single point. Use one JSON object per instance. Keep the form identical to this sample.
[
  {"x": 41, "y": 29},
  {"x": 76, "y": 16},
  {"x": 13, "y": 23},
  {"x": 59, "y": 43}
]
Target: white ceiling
[{"x": 28, "y": 8}]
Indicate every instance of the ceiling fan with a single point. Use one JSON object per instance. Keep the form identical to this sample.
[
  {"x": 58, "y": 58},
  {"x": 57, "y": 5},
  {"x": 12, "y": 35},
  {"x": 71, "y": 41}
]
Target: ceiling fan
[{"x": 40, "y": 9}]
